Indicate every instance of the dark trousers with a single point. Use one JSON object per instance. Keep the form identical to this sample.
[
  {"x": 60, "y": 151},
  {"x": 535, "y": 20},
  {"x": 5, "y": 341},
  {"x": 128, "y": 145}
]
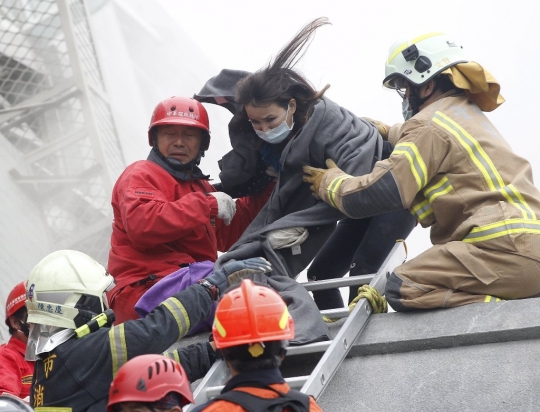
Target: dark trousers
[{"x": 357, "y": 246}]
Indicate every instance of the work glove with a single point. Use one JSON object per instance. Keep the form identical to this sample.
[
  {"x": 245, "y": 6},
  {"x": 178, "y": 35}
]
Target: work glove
[
  {"x": 232, "y": 272},
  {"x": 226, "y": 207},
  {"x": 314, "y": 175},
  {"x": 289, "y": 237},
  {"x": 240, "y": 269},
  {"x": 383, "y": 128}
]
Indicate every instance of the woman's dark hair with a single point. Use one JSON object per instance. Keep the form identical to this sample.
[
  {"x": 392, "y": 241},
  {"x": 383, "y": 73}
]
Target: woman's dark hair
[{"x": 279, "y": 83}]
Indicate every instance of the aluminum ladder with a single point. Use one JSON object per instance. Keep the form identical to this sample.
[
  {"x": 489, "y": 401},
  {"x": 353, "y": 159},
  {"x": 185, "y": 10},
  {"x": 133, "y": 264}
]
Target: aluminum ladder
[{"x": 334, "y": 351}]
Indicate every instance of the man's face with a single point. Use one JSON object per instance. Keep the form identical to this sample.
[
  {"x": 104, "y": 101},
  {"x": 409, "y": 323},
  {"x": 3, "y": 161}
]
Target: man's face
[{"x": 179, "y": 142}]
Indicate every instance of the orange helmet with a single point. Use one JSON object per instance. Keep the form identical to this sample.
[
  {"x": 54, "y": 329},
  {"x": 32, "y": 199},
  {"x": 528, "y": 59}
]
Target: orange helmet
[
  {"x": 149, "y": 378},
  {"x": 183, "y": 111},
  {"x": 15, "y": 300},
  {"x": 251, "y": 313}
]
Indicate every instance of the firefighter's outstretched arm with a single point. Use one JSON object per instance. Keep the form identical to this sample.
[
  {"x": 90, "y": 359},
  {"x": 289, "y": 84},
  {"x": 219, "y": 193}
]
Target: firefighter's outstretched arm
[{"x": 357, "y": 197}]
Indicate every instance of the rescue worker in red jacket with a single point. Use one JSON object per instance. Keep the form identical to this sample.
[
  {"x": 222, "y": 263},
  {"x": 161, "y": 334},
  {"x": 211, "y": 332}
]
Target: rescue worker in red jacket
[
  {"x": 166, "y": 213},
  {"x": 78, "y": 353},
  {"x": 148, "y": 383},
  {"x": 455, "y": 172},
  {"x": 15, "y": 372},
  {"x": 252, "y": 327}
]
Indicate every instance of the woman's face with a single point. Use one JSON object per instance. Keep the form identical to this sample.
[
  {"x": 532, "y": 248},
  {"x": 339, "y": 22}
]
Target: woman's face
[{"x": 265, "y": 118}]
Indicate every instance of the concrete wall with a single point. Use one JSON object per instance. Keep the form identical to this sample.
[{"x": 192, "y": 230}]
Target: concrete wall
[{"x": 476, "y": 357}]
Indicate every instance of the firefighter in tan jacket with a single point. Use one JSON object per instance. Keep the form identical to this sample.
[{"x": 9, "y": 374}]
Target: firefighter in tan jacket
[{"x": 454, "y": 171}]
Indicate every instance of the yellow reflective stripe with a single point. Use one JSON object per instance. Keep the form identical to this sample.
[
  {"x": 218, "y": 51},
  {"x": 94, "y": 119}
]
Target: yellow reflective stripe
[
  {"x": 484, "y": 164},
  {"x": 219, "y": 327},
  {"x": 117, "y": 342},
  {"x": 490, "y": 298},
  {"x": 180, "y": 315},
  {"x": 422, "y": 210},
  {"x": 410, "y": 43},
  {"x": 333, "y": 188},
  {"x": 173, "y": 354},
  {"x": 502, "y": 228},
  {"x": 52, "y": 409},
  {"x": 442, "y": 187},
  {"x": 519, "y": 201},
  {"x": 417, "y": 164}
]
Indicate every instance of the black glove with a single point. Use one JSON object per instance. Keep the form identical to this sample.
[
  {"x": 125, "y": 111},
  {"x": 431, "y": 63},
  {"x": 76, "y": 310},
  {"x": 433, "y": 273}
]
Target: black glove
[{"x": 219, "y": 279}]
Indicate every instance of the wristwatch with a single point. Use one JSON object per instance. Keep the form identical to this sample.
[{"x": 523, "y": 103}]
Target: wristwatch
[{"x": 212, "y": 289}]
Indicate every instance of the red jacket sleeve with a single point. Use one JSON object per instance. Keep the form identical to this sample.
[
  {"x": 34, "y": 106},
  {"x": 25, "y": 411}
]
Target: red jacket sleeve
[{"x": 10, "y": 374}]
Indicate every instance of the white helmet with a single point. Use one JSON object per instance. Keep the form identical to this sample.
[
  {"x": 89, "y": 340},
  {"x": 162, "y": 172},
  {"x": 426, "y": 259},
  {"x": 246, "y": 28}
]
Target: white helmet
[
  {"x": 419, "y": 59},
  {"x": 66, "y": 289}
]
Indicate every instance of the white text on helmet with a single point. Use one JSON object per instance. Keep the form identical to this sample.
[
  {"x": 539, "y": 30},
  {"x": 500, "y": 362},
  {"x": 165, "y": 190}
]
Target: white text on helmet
[{"x": 183, "y": 114}]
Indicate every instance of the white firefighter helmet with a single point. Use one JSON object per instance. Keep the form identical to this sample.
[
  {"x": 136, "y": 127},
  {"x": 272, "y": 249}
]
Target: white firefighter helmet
[
  {"x": 66, "y": 289},
  {"x": 419, "y": 59}
]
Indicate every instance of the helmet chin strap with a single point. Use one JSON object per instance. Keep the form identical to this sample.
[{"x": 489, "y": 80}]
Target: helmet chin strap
[
  {"x": 24, "y": 328},
  {"x": 415, "y": 101}
]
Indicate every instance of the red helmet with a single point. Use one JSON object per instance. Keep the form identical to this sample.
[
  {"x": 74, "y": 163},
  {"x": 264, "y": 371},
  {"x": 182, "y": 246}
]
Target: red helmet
[
  {"x": 251, "y": 313},
  {"x": 183, "y": 111},
  {"x": 15, "y": 300},
  {"x": 148, "y": 378}
]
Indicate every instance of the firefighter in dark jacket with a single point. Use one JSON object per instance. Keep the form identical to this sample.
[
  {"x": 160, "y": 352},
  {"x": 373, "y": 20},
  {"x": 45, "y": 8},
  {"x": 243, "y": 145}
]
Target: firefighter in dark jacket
[
  {"x": 252, "y": 327},
  {"x": 78, "y": 354}
]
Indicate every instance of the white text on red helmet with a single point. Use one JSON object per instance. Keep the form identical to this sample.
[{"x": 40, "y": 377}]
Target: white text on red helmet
[{"x": 183, "y": 114}]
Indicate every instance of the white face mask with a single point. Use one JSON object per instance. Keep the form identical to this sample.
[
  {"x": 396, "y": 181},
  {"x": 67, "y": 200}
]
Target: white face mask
[
  {"x": 278, "y": 133},
  {"x": 407, "y": 113}
]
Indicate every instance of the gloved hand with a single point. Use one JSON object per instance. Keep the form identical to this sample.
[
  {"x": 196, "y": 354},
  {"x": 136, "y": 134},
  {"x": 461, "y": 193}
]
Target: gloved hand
[
  {"x": 232, "y": 272},
  {"x": 314, "y": 176},
  {"x": 383, "y": 128},
  {"x": 226, "y": 207},
  {"x": 240, "y": 269},
  {"x": 289, "y": 237}
]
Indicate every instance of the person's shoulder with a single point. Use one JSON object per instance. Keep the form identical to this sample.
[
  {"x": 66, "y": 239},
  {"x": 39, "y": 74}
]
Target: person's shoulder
[
  {"x": 144, "y": 169},
  {"x": 222, "y": 405}
]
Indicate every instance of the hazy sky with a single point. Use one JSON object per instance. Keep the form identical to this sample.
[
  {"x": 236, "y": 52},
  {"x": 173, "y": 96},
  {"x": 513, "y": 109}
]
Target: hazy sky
[{"x": 503, "y": 36}]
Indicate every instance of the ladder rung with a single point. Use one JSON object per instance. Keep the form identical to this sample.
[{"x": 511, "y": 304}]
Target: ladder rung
[
  {"x": 309, "y": 348},
  {"x": 338, "y": 283},
  {"x": 336, "y": 313}
]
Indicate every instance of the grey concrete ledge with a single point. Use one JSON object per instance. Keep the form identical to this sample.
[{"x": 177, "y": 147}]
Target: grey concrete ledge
[{"x": 473, "y": 324}]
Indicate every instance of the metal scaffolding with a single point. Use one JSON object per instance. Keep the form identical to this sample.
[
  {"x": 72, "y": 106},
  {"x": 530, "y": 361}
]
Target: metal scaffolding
[{"x": 54, "y": 111}]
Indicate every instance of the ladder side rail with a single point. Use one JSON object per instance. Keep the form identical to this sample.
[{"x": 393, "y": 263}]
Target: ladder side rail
[
  {"x": 335, "y": 350},
  {"x": 351, "y": 329},
  {"x": 218, "y": 373}
]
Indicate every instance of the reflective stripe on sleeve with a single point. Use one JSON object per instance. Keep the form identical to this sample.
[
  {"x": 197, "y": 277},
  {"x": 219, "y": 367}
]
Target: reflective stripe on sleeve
[
  {"x": 422, "y": 210},
  {"x": 417, "y": 164},
  {"x": 180, "y": 315},
  {"x": 440, "y": 188},
  {"x": 117, "y": 341},
  {"x": 333, "y": 188},
  {"x": 173, "y": 354}
]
